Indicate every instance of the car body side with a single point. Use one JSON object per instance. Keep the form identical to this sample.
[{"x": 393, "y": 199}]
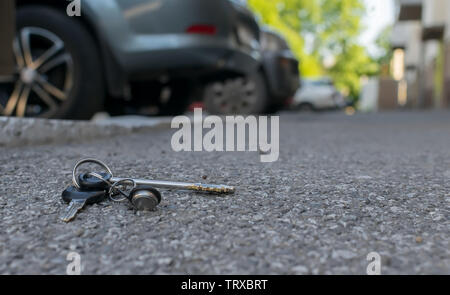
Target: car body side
[
  {"x": 320, "y": 94},
  {"x": 141, "y": 39}
]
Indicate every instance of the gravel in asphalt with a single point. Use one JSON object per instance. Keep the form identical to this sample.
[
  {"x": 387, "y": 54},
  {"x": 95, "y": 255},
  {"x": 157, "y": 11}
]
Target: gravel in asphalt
[{"x": 344, "y": 186}]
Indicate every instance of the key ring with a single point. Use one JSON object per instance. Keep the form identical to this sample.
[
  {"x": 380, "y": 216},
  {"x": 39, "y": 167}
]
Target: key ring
[
  {"x": 124, "y": 195},
  {"x": 100, "y": 177},
  {"x": 113, "y": 186},
  {"x": 84, "y": 161}
]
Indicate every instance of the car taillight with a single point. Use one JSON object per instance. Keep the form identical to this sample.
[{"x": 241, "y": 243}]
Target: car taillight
[
  {"x": 196, "y": 105},
  {"x": 202, "y": 29},
  {"x": 289, "y": 101}
]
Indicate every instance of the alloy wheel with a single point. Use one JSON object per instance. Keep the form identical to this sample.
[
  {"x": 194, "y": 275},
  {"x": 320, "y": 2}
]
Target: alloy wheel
[
  {"x": 236, "y": 96},
  {"x": 44, "y": 75}
]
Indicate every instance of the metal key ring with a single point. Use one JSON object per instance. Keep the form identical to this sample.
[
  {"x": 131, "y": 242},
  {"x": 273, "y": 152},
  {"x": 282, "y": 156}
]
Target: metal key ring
[
  {"x": 100, "y": 177},
  {"x": 84, "y": 161},
  {"x": 115, "y": 184}
]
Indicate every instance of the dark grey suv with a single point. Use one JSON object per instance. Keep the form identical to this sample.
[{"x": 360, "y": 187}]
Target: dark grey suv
[
  {"x": 144, "y": 56},
  {"x": 268, "y": 89}
]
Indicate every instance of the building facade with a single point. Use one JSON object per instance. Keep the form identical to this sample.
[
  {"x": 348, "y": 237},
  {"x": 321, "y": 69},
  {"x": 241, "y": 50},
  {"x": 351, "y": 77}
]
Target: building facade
[{"x": 422, "y": 33}]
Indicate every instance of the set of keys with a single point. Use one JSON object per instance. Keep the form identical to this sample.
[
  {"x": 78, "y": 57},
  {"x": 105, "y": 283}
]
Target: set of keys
[{"x": 93, "y": 187}]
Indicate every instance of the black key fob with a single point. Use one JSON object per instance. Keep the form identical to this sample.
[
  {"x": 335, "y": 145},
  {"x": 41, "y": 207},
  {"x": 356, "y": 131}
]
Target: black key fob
[
  {"x": 90, "y": 182},
  {"x": 90, "y": 197}
]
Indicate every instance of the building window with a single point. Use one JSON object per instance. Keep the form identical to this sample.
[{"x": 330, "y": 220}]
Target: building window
[{"x": 398, "y": 64}]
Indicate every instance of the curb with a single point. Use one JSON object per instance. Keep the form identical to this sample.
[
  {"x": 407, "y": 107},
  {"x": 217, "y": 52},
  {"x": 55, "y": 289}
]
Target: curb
[{"x": 15, "y": 132}]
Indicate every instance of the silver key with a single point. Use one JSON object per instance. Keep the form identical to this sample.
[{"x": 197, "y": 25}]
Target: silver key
[
  {"x": 199, "y": 187},
  {"x": 72, "y": 210}
]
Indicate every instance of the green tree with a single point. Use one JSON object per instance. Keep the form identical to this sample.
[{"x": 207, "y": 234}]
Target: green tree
[
  {"x": 318, "y": 30},
  {"x": 350, "y": 66},
  {"x": 383, "y": 43},
  {"x": 278, "y": 16}
]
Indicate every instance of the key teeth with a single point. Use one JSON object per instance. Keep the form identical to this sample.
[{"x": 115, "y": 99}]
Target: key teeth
[
  {"x": 67, "y": 216},
  {"x": 211, "y": 188},
  {"x": 66, "y": 219},
  {"x": 71, "y": 211}
]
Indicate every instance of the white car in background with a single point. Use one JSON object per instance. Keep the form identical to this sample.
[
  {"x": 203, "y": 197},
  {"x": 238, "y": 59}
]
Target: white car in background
[{"x": 318, "y": 94}]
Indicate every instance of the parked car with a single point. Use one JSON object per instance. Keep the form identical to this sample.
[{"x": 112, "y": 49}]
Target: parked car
[
  {"x": 281, "y": 69},
  {"x": 142, "y": 56},
  {"x": 318, "y": 94},
  {"x": 266, "y": 90}
]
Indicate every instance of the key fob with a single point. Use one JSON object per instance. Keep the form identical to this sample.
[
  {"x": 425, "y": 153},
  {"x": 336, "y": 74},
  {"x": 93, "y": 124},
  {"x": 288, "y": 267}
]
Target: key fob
[
  {"x": 89, "y": 182},
  {"x": 145, "y": 198},
  {"x": 91, "y": 197}
]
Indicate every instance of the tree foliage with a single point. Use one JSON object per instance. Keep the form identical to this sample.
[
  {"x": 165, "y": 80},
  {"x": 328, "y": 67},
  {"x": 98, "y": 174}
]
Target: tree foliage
[
  {"x": 319, "y": 30},
  {"x": 383, "y": 43}
]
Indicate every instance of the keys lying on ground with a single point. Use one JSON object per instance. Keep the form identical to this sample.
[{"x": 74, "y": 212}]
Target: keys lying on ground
[
  {"x": 89, "y": 180},
  {"x": 77, "y": 199},
  {"x": 90, "y": 188}
]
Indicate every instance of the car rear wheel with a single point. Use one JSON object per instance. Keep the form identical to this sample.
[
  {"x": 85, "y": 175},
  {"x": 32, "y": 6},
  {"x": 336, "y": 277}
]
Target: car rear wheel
[
  {"x": 58, "y": 73},
  {"x": 237, "y": 96},
  {"x": 306, "y": 107}
]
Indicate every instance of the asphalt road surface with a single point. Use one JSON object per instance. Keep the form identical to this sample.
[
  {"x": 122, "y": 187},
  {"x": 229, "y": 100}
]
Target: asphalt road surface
[{"x": 344, "y": 186}]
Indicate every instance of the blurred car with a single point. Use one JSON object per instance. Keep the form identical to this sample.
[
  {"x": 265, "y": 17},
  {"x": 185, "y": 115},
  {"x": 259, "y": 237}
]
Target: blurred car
[
  {"x": 281, "y": 69},
  {"x": 139, "y": 56},
  {"x": 267, "y": 90},
  {"x": 318, "y": 94}
]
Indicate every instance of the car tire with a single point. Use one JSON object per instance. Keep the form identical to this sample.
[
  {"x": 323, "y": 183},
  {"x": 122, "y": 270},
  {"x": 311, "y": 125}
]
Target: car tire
[
  {"x": 75, "y": 60},
  {"x": 240, "y": 96},
  {"x": 306, "y": 107}
]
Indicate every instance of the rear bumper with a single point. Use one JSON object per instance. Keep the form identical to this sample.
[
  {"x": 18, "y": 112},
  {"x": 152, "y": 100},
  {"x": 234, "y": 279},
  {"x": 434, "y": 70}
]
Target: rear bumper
[
  {"x": 192, "y": 55},
  {"x": 146, "y": 39}
]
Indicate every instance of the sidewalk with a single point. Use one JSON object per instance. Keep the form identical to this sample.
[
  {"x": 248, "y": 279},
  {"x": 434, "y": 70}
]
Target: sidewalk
[{"x": 26, "y": 131}]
